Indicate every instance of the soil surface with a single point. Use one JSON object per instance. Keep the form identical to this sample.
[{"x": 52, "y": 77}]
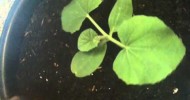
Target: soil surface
[{"x": 46, "y": 52}]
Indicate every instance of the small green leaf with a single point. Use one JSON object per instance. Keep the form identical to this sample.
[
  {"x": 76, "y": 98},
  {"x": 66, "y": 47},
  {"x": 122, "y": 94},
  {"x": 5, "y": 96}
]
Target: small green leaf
[
  {"x": 75, "y": 13},
  {"x": 85, "y": 63},
  {"x": 88, "y": 40},
  {"x": 154, "y": 51},
  {"x": 122, "y": 10}
]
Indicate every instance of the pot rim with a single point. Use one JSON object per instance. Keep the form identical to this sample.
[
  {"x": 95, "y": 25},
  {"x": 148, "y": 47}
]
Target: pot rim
[{"x": 20, "y": 13}]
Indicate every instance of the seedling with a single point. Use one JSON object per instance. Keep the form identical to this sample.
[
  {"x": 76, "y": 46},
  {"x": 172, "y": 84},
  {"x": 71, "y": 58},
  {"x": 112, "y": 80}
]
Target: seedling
[{"x": 150, "y": 50}]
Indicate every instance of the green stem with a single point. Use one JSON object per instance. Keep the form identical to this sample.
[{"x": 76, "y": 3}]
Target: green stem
[
  {"x": 97, "y": 26},
  {"x": 110, "y": 38},
  {"x": 111, "y": 33}
]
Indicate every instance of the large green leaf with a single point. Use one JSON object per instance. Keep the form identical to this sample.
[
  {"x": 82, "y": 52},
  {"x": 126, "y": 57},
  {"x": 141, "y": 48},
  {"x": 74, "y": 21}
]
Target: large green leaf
[
  {"x": 88, "y": 40},
  {"x": 84, "y": 63},
  {"x": 154, "y": 51},
  {"x": 75, "y": 13},
  {"x": 122, "y": 10}
]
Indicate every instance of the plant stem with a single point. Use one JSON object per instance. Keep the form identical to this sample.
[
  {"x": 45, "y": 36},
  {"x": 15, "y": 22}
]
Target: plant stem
[
  {"x": 111, "y": 33},
  {"x": 97, "y": 26},
  {"x": 110, "y": 38}
]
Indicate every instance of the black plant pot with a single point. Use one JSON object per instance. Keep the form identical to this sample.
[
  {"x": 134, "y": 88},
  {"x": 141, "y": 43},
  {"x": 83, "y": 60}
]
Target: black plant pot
[{"x": 35, "y": 55}]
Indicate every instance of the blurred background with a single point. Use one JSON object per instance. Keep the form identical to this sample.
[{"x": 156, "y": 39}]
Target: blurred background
[{"x": 5, "y": 6}]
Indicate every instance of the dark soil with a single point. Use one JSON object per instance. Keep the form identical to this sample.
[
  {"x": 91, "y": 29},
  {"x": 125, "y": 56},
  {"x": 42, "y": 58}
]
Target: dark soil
[{"x": 46, "y": 53}]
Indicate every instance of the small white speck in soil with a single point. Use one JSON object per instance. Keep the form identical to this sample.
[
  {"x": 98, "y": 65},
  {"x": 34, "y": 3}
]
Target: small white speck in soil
[
  {"x": 175, "y": 90},
  {"x": 55, "y": 64},
  {"x": 67, "y": 45},
  {"x": 23, "y": 60},
  {"x": 42, "y": 22},
  {"x": 56, "y": 72},
  {"x": 46, "y": 40},
  {"x": 58, "y": 91},
  {"x": 93, "y": 88},
  {"x": 26, "y": 34},
  {"x": 55, "y": 34},
  {"x": 33, "y": 52}
]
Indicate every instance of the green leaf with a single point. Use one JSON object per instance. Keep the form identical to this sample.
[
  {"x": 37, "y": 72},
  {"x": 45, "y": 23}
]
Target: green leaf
[
  {"x": 122, "y": 10},
  {"x": 84, "y": 63},
  {"x": 75, "y": 13},
  {"x": 88, "y": 40},
  {"x": 154, "y": 51}
]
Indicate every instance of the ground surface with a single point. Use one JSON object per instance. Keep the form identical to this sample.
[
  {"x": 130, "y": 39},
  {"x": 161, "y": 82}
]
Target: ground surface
[{"x": 46, "y": 52}]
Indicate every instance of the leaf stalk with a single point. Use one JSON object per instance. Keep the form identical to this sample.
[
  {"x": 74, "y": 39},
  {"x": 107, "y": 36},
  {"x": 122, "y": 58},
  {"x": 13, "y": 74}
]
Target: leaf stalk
[{"x": 109, "y": 37}]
